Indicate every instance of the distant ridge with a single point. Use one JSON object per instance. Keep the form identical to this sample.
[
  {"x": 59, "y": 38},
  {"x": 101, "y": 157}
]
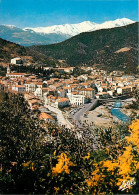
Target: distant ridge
[
  {"x": 29, "y": 37},
  {"x": 99, "y": 47},
  {"x": 10, "y": 50}
]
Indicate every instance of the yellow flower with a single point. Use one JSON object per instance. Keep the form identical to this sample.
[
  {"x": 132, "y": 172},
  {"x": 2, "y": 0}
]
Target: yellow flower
[
  {"x": 110, "y": 165},
  {"x": 29, "y": 165},
  {"x": 56, "y": 189},
  {"x": 26, "y": 164},
  {"x": 88, "y": 156},
  {"x": 125, "y": 163},
  {"x": 63, "y": 165},
  {"x": 54, "y": 152}
]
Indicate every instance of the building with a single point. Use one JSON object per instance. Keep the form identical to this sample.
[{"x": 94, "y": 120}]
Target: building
[
  {"x": 65, "y": 70},
  {"x": 111, "y": 92},
  {"x": 15, "y": 75},
  {"x": 76, "y": 99},
  {"x": 30, "y": 87},
  {"x": 89, "y": 92},
  {"x": 16, "y": 61},
  {"x": 34, "y": 103},
  {"x": 124, "y": 90},
  {"x": 61, "y": 93},
  {"x": 102, "y": 95},
  {"x": 62, "y": 102},
  {"x": 46, "y": 117},
  {"x": 38, "y": 92},
  {"x": 19, "y": 88}
]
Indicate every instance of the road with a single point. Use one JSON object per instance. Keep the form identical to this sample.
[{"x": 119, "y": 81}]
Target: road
[
  {"x": 60, "y": 117},
  {"x": 87, "y": 107},
  {"x": 76, "y": 117}
]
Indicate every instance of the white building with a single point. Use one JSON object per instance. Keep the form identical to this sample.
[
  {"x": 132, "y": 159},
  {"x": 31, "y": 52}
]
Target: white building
[
  {"x": 89, "y": 92},
  {"x": 111, "y": 92},
  {"x": 38, "y": 92},
  {"x": 16, "y": 61},
  {"x": 30, "y": 87},
  {"x": 14, "y": 75},
  {"x": 77, "y": 99},
  {"x": 124, "y": 90}
]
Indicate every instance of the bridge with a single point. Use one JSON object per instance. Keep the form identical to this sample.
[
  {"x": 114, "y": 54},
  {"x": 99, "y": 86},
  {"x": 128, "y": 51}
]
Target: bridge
[{"x": 115, "y": 99}]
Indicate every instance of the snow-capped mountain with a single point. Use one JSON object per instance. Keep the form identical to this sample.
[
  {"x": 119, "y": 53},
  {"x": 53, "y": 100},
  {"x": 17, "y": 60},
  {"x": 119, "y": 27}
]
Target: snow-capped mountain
[
  {"x": 74, "y": 29},
  {"x": 54, "y": 34},
  {"x": 9, "y": 26}
]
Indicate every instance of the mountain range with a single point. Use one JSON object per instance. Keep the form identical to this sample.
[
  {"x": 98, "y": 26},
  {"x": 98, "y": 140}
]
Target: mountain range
[
  {"x": 110, "y": 49},
  {"x": 54, "y": 34},
  {"x": 75, "y": 29},
  {"x": 28, "y": 37}
]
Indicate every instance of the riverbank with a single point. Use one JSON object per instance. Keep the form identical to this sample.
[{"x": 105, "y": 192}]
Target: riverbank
[
  {"x": 100, "y": 117},
  {"x": 129, "y": 111}
]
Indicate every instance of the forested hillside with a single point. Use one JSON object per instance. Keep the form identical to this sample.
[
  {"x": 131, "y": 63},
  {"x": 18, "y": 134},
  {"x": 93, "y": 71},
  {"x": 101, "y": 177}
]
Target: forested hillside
[
  {"x": 10, "y": 50},
  {"x": 112, "y": 49}
]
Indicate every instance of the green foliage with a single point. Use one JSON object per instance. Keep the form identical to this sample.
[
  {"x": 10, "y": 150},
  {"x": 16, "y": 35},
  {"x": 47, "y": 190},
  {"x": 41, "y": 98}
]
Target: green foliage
[
  {"x": 135, "y": 104},
  {"x": 26, "y": 149},
  {"x": 30, "y": 150},
  {"x": 7, "y": 48},
  {"x": 2, "y": 71}
]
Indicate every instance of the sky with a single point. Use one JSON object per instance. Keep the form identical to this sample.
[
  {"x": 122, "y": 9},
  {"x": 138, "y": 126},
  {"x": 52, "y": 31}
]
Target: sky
[{"x": 42, "y": 13}]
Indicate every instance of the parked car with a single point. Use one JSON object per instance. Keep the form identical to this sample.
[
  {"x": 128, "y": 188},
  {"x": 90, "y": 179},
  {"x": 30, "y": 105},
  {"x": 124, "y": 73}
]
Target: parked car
[{"x": 99, "y": 115}]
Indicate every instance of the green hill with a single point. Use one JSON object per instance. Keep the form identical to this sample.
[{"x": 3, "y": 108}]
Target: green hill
[
  {"x": 99, "y": 47},
  {"x": 10, "y": 50}
]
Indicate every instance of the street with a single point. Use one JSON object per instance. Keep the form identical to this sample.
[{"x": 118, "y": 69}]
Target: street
[
  {"x": 60, "y": 117},
  {"x": 86, "y": 107}
]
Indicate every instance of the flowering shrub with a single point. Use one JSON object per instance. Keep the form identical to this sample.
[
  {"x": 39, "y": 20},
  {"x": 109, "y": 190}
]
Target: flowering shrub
[
  {"x": 124, "y": 168},
  {"x": 43, "y": 158},
  {"x": 63, "y": 165}
]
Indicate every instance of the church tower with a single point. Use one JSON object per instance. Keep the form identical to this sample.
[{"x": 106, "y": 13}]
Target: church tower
[{"x": 8, "y": 69}]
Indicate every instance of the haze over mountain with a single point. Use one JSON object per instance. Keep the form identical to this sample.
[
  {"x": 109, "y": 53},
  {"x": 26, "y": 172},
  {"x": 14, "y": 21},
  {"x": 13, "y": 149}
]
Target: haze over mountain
[
  {"x": 54, "y": 34},
  {"x": 28, "y": 37}
]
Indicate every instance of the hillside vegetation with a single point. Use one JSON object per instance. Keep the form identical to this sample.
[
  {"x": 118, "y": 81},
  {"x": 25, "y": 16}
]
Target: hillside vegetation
[
  {"x": 10, "y": 50},
  {"x": 43, "y": 158},
  {"x": 99, "y": 47}
]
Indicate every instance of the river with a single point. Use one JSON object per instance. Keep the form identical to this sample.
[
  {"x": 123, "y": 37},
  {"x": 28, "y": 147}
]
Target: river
[{"x": 117, "y": 112}]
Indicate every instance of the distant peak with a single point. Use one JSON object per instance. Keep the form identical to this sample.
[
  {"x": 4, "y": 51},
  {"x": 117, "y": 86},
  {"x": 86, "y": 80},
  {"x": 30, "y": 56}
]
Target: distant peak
[
  {"x": 124, "y": 20},
  {"x": 88, "y": 22},
  {"x": 10, "y": 26}
]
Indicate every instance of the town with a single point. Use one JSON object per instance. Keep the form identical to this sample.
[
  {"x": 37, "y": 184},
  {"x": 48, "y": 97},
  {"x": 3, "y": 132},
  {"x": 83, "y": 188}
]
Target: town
[{"x": 76, "y": 101}]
